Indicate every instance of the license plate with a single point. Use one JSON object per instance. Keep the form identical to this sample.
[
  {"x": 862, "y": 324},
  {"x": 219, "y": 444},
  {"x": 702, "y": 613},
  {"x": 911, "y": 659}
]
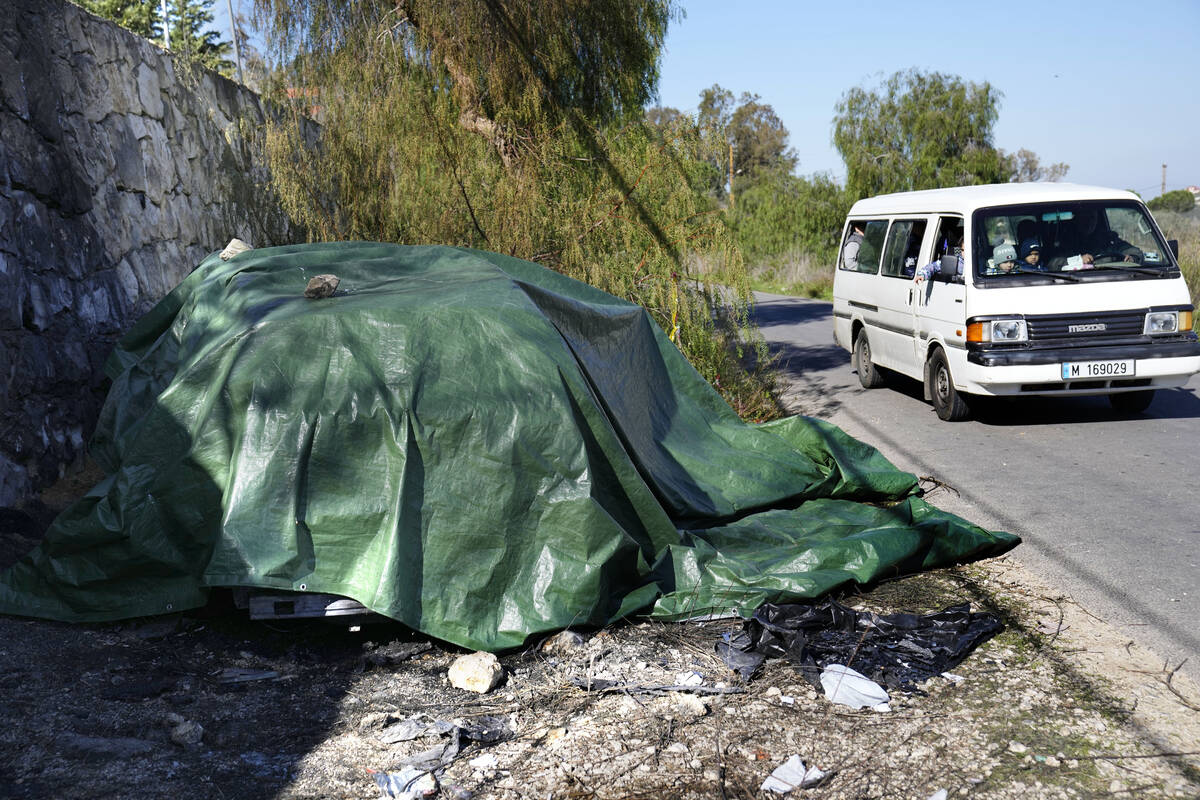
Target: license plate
[{"x": 1082, "y": 370}]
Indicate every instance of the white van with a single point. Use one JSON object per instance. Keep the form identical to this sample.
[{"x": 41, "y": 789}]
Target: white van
[{"x": 1032, "y": 289}]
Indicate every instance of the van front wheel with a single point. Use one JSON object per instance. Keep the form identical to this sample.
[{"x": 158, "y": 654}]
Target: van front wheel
[
  {"x": 948, "y": 403},
  {"x": 868, "y": 373}
]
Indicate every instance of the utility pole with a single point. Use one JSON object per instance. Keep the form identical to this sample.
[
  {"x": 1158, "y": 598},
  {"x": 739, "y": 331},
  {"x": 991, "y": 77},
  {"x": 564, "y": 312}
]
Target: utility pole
[
  {"x": 1164, "y": 185},
  {"x": 237, "y": 55}
]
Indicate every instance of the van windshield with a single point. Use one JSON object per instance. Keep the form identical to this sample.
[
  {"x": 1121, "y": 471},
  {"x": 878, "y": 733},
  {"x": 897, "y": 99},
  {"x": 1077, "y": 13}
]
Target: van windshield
[{"x": 1092, "y": 240}]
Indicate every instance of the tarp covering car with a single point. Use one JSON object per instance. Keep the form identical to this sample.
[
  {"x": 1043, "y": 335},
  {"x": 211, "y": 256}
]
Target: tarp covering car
[{"x": 468, "y": 443}]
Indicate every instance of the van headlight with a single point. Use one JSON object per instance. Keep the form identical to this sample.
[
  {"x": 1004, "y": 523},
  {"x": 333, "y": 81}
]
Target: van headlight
[
  {"x": 998, "y": 331},
  {"x": 1161, "y": 322}
]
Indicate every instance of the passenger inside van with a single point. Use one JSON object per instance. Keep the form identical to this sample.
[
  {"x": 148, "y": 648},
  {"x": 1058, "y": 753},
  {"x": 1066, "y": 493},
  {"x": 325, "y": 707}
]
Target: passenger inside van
[
  {"x": 1004, "y": 260},
  {"x": 853, "y": 243},
  {"x": 1031, "y": 253}
]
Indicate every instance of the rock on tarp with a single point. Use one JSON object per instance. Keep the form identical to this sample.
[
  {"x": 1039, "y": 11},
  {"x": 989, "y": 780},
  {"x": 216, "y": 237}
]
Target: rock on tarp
[{"x": 468, "y": 443}]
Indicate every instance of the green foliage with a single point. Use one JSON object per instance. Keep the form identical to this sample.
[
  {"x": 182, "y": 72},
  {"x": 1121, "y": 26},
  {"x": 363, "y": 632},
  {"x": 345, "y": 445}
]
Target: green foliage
[
  {"x": 192, "y": 38},
  {"x": 544, "y": 165},
  {"x": 139, "y": 16},
  {"x": 781, "y": 213},
  {"x": 189, "y": 28},
  {"x": 757, "y": 135},
  {"x": 919, "y": 131},
  {"x": 759, "y": 138},
  {"x": 1180, "y": 201},
  {"x": 1024, "y": 166}
]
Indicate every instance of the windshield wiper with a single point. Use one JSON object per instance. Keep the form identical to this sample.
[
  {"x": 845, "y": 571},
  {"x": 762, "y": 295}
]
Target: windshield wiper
[
  {"x": 1072, "y": 278},
  {"x": 1122, "y": 268}
]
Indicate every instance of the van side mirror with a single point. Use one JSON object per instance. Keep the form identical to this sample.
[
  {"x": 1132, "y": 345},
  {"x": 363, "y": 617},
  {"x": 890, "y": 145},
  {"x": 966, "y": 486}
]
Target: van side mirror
[
  {"x": 948, "y": 266},
  {"x": 1173, "y": 246}
]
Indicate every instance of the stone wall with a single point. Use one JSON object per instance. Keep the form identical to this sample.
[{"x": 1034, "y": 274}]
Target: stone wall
[{"x": 119, "y": 171}]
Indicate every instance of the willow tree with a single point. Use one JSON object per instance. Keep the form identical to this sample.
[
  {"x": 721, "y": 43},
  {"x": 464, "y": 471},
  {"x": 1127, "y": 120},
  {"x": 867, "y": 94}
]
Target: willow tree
[
  {"x": 512, "y": 127},
  {"x": 918, "y": 131}
]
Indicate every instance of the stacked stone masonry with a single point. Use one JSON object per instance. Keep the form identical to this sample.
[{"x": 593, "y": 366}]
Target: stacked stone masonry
[{"x": 119, "y": 171}]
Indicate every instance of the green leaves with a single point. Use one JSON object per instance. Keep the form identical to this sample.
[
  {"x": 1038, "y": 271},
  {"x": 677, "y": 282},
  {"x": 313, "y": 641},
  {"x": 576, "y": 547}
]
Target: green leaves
[
  {"x": 1181, "y": 201},
  {"x": 918, "y": 131},
  {"x": 508, "y": 128}
]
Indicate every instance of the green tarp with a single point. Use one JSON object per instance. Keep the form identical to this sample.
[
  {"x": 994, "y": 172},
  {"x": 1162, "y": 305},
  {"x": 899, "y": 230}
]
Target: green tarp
[{"x": 471, "y": 444}]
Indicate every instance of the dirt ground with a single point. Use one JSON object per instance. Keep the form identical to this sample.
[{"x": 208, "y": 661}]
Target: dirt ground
[{"x": 213, "y": 705}]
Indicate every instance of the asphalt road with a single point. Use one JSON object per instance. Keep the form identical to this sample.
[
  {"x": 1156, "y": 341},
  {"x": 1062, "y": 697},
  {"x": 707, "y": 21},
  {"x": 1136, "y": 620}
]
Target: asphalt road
[{"x": 1106, "y": 504}]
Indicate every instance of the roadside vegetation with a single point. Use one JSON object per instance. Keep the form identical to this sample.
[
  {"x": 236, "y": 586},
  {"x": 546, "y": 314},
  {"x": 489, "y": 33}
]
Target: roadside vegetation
[
  {"x": 1185, "y": 227},
  {"x": 916, "y": 130}
]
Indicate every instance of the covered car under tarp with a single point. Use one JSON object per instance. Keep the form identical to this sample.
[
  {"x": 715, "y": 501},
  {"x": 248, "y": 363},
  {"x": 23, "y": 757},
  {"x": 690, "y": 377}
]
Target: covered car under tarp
[{"x": 468, "y": 443}]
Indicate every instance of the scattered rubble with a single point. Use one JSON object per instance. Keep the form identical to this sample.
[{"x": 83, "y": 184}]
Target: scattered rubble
[{"x": 359, "y": 714}]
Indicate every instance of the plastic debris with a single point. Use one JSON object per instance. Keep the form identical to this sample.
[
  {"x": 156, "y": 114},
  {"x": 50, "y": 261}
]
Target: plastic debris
[
  {"x": 792, "y": 775},
  {"x": 896, "y": 650},
  {"x": 485, "y": 730},
  {"x": 846, "y": 687},
  {"x": 406, "y": 730},
  {"x": 408, "y": 784},
  {"x": 691, "y": 678},
  {"x": 940, "y": 794}
]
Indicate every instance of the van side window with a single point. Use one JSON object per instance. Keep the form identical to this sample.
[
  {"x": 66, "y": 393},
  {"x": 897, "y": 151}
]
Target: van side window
[
  {"x": 861, "y": 251},
  {"x": 903, "y": 248},
  {"x": 949, "y": 241}
]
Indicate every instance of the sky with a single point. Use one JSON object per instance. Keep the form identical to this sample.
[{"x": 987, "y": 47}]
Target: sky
[{"x": 1110, "y": 88}]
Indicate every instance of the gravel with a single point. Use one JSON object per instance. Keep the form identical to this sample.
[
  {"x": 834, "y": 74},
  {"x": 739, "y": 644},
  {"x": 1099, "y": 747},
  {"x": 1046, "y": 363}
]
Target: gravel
[{"x": 213, "y": 705}]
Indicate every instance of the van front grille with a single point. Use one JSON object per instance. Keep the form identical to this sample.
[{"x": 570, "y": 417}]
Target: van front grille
[{"x": 1091, "y": 326}]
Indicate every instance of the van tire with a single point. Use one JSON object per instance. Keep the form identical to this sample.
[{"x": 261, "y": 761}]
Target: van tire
[
  {"x": 1131, "y": 402},
  {"x": 868, "y": 374},
  {"x": 947, "y": 401}
]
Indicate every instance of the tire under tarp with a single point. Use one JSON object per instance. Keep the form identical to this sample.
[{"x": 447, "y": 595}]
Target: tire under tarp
[{"x": 478, "y": 447}]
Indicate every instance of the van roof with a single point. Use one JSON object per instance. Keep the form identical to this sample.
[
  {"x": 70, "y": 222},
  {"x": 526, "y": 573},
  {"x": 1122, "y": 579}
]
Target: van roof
[{"x": 965, "y": 199}]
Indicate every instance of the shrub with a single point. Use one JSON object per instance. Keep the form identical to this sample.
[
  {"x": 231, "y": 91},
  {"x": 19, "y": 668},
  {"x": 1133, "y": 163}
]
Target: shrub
[{"x": 1181, "y": 201}]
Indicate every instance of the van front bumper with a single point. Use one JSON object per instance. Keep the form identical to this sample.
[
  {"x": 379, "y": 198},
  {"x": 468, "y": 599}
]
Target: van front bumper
[
  {"x": 1056, "y": 355},
  {"x": 1157, "y": 365}
]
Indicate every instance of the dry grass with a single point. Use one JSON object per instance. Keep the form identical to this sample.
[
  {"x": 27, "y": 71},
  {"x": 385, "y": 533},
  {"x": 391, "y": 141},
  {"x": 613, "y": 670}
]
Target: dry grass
[
  {"x": 1185, "y": 228},
  {"x": 796, "y": 273}
]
